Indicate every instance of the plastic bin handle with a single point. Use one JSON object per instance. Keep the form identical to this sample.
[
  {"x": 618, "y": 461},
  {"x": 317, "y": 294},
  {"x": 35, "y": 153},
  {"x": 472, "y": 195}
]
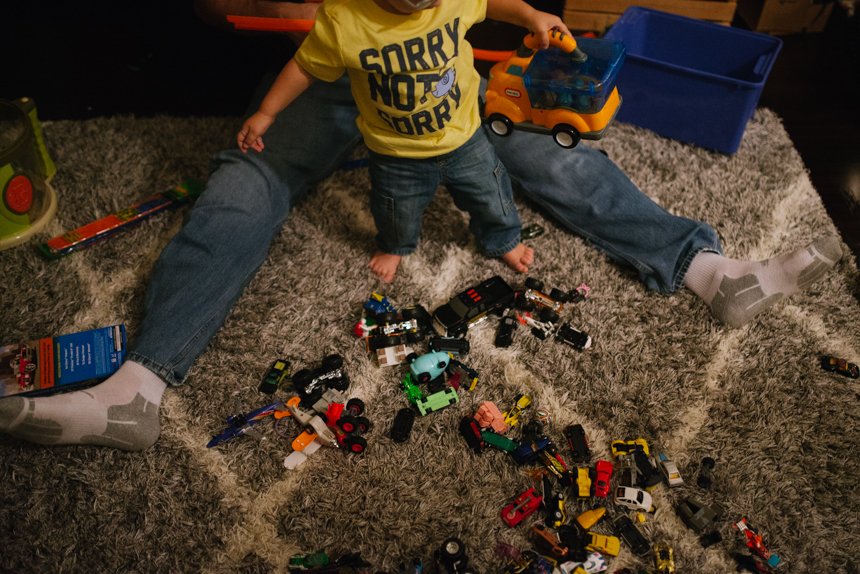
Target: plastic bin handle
[{"x": 763, "y": 63}]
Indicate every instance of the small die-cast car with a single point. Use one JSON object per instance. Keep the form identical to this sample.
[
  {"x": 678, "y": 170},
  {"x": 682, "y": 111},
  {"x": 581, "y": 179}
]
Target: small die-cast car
[
  {"x": 670, "y": 472},
  {"x": 754, "y": 542},
  {"x": 601, "y": 543},
  {"x": 471, "y": 433},
  {"x": 24, "y": 366},
  {"x": 524, "y": 505},
  {"x": 275, "y": 377},
  {"x": 548, "y": 542},
  {"x": 329, "y": 375},
  {"x": 449, "y": 345},
  {"x": 583, "y": 483},
  {"x": 513, "y": 415},
  {"x": 664, "y": 558},
  {"x": 505, "y": 334},
  {"x": 521, "y": 564},
  {"x": 472, "y": 306},
  {"x": 603, "y": 474},
  {"x": 628, "y": 446},
  {"x": 625, "y": 528},
  {"x": 590, "y": 517},
  {"x": 573, "y": 337},
  {"x": 593, "y": 564},
  {"x": 575, "y": 435},
  {"x": 534, "y": 296},
  {"x": 840, "y": 366},
  {"x": 634, "y": 498}
]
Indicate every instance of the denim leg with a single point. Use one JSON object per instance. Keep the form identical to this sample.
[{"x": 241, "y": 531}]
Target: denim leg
[
  {"x": 400, "y": 190},
  {"x": 479, "y": 185},
  {"x": 592, "y": 197},
  {"x": 203, "y": 270}
]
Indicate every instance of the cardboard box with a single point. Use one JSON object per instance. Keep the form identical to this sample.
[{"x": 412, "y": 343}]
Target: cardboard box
[
  {"x": 60, "y": 364},
  {"x": 598, "y": 15},
  {"x": 785, "y": 16}
]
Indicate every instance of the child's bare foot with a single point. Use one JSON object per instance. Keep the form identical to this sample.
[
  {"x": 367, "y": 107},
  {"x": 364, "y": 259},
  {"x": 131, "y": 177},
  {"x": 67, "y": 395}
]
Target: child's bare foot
[
  {"x": 385, "y": 265},
  {"x": 519, "y": 258}
]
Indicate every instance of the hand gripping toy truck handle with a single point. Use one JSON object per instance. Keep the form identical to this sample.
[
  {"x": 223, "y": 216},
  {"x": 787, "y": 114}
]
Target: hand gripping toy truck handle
[{"x": 557, "y": 39}]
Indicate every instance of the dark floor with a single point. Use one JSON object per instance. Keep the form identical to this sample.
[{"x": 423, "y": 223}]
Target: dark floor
[{"x": 79, "y": 61}]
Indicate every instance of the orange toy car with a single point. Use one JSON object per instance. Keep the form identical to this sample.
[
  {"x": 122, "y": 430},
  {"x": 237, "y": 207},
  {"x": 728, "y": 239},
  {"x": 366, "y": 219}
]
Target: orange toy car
[{"x": 567, "y": 90}]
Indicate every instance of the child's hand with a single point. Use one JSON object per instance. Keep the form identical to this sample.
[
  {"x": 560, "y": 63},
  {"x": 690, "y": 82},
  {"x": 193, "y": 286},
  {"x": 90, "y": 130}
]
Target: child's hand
[
  {"x": 250, "y": 136},
  {"x": 541, "y": 23}
]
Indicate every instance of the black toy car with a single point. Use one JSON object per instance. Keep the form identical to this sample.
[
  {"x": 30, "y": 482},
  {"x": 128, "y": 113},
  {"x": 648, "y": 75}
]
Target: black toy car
[
  {"x": 575, "y": 435},
  {"x": 329, "y": 375},
  {"x": 401, "y": 428},
  {"x": 472, "y": 306},
  {"x": 471, "y": 432},
  {"x": 840, "y": 366},
  {"x": 505, "y": 334},
  {"x": 625, "y": 528},
  {"x": 275, "y": 377},
  {"x": 451, "y": 558},
  {"x": 570, "y": 336},
  {"x": 449, "y": 344}
]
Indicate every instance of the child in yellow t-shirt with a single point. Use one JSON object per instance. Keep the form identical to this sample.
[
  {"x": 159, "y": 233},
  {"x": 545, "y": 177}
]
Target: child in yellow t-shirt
[{"x": 416, "y": 88}]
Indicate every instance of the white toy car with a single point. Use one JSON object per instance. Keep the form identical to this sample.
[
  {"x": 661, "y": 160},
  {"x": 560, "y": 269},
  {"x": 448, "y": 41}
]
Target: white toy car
[{"x": 634, "y": 498}]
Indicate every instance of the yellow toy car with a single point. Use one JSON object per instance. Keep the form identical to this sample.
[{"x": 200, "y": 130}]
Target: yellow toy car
[
  {"x": 604, "y": 544},
  {"x": 567, "y": 90},
  {"x": 583, "y": 483},
  {"x": 512, "y": 417},
  {"x": 664, "y": 558},
  {"x": 620, "y": 447}
]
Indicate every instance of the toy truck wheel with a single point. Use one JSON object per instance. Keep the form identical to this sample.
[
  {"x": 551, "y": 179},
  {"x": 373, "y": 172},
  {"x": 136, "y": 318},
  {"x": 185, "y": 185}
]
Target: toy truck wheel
[
  {"x": 453, "y": 550},
  {"x": 301, "y": 380},
  {"x": 415, "y": 336},
  {"x": 548, "y": 315},
  {"x": 332, "y": 362},
  {"x": 565, "y": 136},
  {"x": 534, "y": 284},
  {"x": 364, "y": 424},
  {"x": 355, "y": 443},
  {"x": 410, "y": 358},
  {"x": 424, "y": 377},
  {"x": 347, "y": 423},
  {"x": 558, "y": 295},
  {"x": 501, "y": 125},
  {"x": 356, "y": 406},
  {"x": 341, "y": 384}
]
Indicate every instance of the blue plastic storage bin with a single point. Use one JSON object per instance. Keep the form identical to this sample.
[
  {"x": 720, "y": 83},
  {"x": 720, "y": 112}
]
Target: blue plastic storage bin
[{"x": 690, "y": 80}]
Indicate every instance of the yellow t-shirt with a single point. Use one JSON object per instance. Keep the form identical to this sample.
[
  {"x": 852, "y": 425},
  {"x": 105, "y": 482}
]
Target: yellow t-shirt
[{"x": 413, "y": 77}]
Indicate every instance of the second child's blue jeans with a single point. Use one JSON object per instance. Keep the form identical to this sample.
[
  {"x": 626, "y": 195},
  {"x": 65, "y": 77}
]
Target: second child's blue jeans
[{"x": 401, "y": 188}]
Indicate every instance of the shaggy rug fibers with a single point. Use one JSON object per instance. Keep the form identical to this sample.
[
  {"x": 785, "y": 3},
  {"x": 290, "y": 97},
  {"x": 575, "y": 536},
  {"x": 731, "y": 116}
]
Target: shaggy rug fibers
[{"x": 782, "y": 430}]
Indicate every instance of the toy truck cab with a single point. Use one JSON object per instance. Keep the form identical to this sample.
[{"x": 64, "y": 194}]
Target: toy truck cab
[{"x": 567, "y": 90}]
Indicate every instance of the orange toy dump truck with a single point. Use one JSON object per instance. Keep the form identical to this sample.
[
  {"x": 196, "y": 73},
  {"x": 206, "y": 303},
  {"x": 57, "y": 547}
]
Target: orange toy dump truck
[{"x": 567, "y": 90}]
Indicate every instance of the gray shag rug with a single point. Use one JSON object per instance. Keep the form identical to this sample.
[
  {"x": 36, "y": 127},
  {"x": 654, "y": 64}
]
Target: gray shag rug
[{"x": 783, "y": 432}]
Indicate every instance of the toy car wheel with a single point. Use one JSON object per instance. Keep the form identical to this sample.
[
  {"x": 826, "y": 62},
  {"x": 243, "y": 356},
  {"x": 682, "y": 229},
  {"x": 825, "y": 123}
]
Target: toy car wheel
[
  {"x": 415, "y": 336},
  {"x": 301, "y": 379},
  {"x": 355, "y": 443},
  {"x": 340, "y": 384},
  {"x": 534, "y": 284},
  {"x": 424, "y": 377},
  {"x": 356, "y": 406},
  {"x": 453, "y": 550},
  {"x": 558, "y": 295},
  {"x": 548, "y": 315},
  {"x": 347, "y": 423},
  {"x": 501, "y": 125},
  {"x": 410, "y": 313},
  {"x": 332, "y": 362},
  {"x": 565, "y": 136},
  {"x": 364, "y": 424},
  {"x": 386, "y": 318},
  {"x": 410, "y": 358}
]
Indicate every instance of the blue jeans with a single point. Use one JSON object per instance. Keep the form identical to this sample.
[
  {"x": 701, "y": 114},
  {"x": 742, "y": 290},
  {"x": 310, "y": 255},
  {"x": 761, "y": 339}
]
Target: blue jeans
[
  {"x": 205, "y": 267},
  {"x": 401, "y": 188}
]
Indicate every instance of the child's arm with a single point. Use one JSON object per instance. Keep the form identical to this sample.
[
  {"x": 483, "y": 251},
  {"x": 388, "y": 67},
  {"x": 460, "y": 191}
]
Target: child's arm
[
  {"x": 521, "y": 14},
  {"x": 290, "y": 83}
]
